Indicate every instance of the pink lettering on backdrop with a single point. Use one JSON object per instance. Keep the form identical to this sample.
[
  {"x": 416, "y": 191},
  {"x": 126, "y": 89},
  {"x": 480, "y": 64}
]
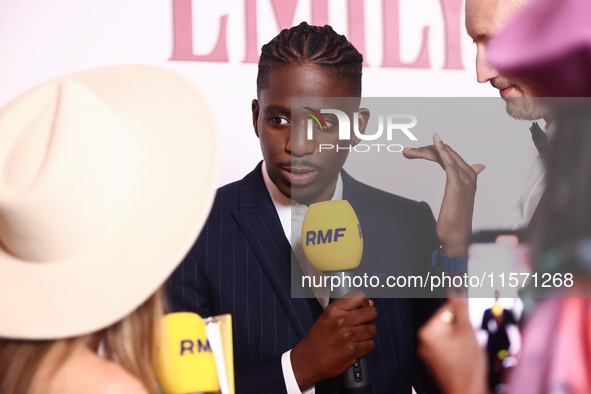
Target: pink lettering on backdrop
[
  {"x": 182, "y": 22},
  {"x": 452, "y": 11},
  {"x": 356, "y": 12},
  {"x": 252, "y": 43},
  {"x": 284, "y": 13},
  {"x": 392, "y": 39},
  {"x": 319, "y": 12}
]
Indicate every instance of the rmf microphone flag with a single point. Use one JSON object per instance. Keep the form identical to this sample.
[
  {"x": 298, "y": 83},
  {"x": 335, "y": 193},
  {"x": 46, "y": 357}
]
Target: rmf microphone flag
[
  {"x": 331, "y": 236},
  {"x": 185, "y": 362}
]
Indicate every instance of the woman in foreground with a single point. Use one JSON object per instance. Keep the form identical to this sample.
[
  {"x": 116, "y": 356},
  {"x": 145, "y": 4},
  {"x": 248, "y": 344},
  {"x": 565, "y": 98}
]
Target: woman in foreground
[{"x": 106, "y": 178}]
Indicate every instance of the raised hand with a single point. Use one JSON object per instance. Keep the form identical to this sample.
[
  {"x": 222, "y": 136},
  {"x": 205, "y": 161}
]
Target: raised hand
[{"x": 454, "y": 224}]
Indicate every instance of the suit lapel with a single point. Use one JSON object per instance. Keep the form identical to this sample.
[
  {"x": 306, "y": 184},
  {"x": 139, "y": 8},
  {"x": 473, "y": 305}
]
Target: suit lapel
[
  {"x": 356, "y": 197},
  {"x": 383, "y": 252},
  {"x": 257, "y": 218}
]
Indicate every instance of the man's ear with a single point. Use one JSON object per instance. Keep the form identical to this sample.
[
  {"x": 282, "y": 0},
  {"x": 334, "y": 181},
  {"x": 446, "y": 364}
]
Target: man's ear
[
  {"x": 255, "y": 115},
  {"x": 363, "y": 119}
]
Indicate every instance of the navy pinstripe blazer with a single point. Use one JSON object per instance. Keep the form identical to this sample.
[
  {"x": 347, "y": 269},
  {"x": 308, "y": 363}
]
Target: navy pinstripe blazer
[{"x": 240, "y": 264}]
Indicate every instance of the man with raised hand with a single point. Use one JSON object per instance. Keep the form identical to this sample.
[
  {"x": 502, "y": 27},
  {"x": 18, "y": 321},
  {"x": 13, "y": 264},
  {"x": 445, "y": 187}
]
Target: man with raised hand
[
  {"x": 241, "y": 263},
  {"x": 484, "y": 19}
]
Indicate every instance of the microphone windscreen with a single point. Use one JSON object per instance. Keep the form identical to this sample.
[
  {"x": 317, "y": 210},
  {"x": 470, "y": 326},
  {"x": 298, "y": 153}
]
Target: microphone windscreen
[
  {"x": 185, "y": 362},
  {"x": 331, "y": 236}
]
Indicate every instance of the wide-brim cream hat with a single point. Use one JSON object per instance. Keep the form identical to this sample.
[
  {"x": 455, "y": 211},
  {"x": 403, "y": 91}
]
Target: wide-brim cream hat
[{"x": 106, "y": 178}]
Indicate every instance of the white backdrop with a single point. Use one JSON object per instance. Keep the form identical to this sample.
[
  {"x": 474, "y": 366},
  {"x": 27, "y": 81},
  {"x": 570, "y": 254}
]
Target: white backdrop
[{"x": 44, "y": 39}]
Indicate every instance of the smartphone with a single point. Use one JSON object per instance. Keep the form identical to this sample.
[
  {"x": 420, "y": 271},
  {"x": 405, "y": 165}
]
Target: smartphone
[
  {"x": 498, "y": 262},
  {"x": 500, "y": 259}
]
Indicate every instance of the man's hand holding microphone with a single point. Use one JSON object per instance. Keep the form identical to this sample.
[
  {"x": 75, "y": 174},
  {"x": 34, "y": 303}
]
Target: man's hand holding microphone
[{"x": 343, "y": 334}]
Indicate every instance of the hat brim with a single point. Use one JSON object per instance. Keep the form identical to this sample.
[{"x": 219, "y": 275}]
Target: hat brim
[
  {"x": 110, "y": 278},
  {"x": 548, "y": 46}
]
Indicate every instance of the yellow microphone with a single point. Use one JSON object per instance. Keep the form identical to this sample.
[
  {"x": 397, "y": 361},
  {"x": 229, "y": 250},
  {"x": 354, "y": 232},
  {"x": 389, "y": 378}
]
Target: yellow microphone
[
  {"x": 331, "y": 236},
  {"x": 185, "y": 362},
  {"x": 332, "y": 241},
  {"x": 497, "y": 309}
]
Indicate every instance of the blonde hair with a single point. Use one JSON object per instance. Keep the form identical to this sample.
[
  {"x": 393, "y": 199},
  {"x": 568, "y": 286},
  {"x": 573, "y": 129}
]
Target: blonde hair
[{"x": 131, "y": 342}]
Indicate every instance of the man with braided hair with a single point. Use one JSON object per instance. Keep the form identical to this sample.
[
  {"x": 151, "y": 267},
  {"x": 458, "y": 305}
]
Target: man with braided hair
[{"x": 241, "y": 263}]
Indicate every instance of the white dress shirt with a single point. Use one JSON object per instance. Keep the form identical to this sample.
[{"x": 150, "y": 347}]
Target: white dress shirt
[
  {"x": 531, "y": 195},
  {"x": 291, "y": 214}
]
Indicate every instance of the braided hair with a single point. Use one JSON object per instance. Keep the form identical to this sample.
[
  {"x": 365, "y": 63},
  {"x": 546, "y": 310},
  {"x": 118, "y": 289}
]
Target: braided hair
[{"x": 321, "y": 46}]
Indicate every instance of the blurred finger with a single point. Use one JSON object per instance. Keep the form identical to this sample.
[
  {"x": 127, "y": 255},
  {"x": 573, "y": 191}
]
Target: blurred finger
[
  {"x": 459, "y": 308},
  {"x": 436, "y": 328}
]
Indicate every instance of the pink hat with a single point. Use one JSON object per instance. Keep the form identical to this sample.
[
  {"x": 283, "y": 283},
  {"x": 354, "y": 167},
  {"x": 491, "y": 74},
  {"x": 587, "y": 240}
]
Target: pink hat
[{"x": 549, "y": 46}]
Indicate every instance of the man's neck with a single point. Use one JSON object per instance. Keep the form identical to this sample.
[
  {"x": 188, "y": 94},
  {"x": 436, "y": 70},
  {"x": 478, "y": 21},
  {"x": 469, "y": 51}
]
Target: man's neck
[
  {"x": 279, "y": 199},
  {"x": 548, "y": 119}
]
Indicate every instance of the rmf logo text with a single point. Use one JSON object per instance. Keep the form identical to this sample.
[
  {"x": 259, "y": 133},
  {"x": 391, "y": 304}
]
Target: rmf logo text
[
  {"x": 321, "y": 237},
  {"x": 187, "y": 345}
]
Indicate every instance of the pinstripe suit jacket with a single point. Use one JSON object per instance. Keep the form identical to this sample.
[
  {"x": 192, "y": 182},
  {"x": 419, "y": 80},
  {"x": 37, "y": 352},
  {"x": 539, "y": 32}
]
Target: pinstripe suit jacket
[{"x": 240, "y": 265}]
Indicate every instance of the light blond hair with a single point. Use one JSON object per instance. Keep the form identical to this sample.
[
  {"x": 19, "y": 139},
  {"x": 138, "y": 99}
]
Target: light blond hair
[{"x": 131, "y": 342}]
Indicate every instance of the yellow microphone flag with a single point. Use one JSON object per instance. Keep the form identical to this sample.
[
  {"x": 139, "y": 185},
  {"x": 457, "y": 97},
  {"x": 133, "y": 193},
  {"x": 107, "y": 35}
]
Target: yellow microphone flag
[
  {"x": 185, "y": 362},
  {"x": 331, "y": 236}
]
